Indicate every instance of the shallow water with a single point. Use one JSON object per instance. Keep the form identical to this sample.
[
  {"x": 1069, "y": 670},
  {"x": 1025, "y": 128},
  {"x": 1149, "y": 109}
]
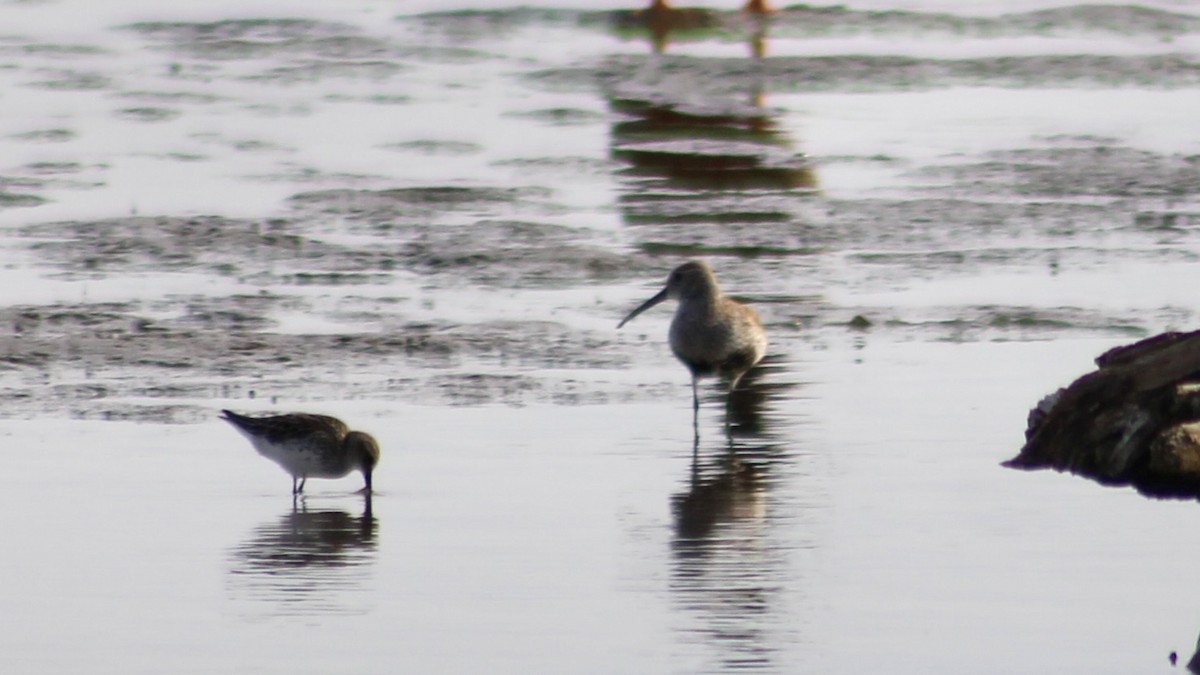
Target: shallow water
[{"x": 429, "y": 225}]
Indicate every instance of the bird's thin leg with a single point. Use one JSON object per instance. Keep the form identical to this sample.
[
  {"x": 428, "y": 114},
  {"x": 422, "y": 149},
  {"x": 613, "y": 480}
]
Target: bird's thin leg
[
  {"x": 295, "y": 489},
  {"x": 729, "y": 417},
  {"x": 733, "y": 382},
  {"x": 303, "y": 480},
  {"x": 695, "y": 414}
]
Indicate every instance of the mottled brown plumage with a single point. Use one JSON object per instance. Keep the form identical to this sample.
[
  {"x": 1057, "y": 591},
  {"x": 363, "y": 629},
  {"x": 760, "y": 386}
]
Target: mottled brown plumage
[{"x": 309, "y": 445}]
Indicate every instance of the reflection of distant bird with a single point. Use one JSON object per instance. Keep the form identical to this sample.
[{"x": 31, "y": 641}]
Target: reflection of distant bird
[
  {"x": 309, "y": 445},
  {"x": 711, "y": 334}
]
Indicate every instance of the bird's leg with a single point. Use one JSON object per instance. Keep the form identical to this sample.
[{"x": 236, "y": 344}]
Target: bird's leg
[
  {"x": 695, "y": 459},
  {"x": 728, "y": 417},
  {"x": 295, "y": 490},
  {"x": 733, "y": 383},
  {"x": 366, "y": 508},
  {"x": 695, "y": 414},
  {"x": 303, "y": 480}
]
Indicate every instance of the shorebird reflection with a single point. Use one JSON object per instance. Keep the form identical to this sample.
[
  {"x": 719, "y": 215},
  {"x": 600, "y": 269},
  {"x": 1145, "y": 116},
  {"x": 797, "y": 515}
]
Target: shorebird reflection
[
  {"x": 724, "y": 571},
  {"x": 306, "y": 560},
  {"x": 726, "y": 490},
  {"x": 727, "y": 558}
]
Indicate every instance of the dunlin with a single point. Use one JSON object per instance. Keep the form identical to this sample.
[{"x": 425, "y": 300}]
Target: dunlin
[
  {"x": 711, "y": 334},
  {"x": 309, "y": 445}
]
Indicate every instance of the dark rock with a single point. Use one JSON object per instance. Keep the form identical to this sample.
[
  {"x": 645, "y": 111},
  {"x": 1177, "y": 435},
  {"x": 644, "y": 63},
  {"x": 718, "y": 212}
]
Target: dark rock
[{"x": 1133, "y": 421}]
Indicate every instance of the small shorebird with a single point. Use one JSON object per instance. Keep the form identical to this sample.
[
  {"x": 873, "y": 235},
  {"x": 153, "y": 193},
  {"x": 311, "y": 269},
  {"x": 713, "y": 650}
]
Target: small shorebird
[
  {"x": 711, "y": 334},
  {"x": 309, "y": 445}
]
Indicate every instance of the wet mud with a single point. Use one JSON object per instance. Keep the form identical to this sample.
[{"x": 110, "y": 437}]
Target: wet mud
[{"x": 699, "y": 163}]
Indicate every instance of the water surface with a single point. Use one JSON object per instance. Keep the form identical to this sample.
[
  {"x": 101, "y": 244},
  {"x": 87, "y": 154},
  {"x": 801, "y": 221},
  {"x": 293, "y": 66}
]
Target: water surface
[{"x": 428, "y": 221}]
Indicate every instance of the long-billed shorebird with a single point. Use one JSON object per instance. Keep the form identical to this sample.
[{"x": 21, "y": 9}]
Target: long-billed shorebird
[
  {"x": 711, "y": 334},
  {"x": 307, "y": 445}
]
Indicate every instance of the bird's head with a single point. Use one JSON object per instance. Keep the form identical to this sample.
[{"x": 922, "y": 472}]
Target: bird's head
[
  {"x": 364, "y": 452},
  {"x": 691, "y": 280}
]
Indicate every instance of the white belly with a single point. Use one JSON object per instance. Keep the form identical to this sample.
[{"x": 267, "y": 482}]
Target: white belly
[{"x": 298, "y": 459}]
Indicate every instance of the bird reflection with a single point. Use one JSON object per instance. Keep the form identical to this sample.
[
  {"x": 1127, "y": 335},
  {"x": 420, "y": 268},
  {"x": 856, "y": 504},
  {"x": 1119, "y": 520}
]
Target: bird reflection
[
  {"x": 726, "y": 570},
  {"x": 307, "y": 561},
  {"x": 727, "y": 490},
  {"x": 701, "y": 155}
]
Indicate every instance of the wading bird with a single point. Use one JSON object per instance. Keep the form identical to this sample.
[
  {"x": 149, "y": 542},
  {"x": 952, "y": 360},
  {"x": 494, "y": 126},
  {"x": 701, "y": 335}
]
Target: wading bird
[
  {"x": 710, "y": 334},
  {"x": 309, "y": 445}
]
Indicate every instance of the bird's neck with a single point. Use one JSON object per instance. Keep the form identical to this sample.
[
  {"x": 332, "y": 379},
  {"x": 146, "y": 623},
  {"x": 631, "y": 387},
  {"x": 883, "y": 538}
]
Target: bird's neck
[{"x": 702, "y": 305}]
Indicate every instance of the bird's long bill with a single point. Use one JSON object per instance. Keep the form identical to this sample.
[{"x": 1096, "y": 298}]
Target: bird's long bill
[{"x": 662, "y": 295}]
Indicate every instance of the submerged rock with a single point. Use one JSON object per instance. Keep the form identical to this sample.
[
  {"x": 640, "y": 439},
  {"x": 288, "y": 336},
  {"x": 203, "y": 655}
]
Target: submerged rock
[{"x": 1133, "y": 421}]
